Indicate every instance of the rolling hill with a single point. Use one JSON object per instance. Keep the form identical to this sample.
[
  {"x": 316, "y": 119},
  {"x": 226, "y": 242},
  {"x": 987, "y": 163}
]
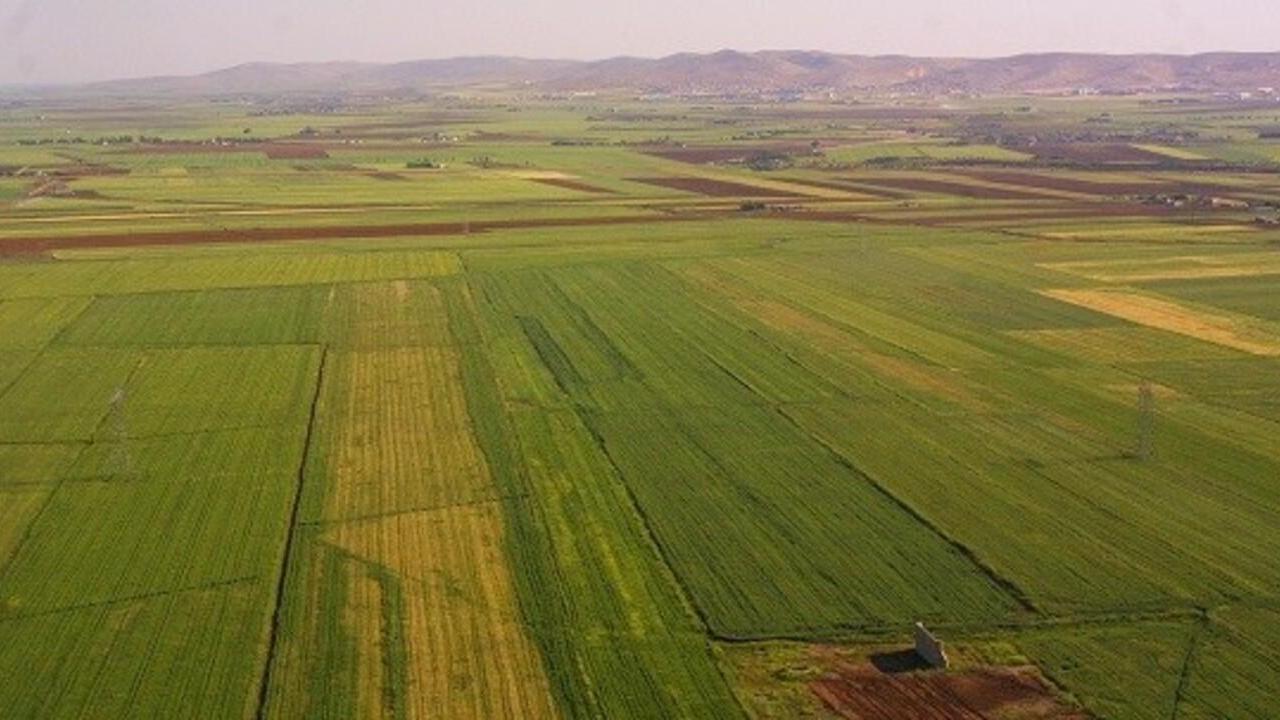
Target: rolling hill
[{"x": 733, "y": 71}]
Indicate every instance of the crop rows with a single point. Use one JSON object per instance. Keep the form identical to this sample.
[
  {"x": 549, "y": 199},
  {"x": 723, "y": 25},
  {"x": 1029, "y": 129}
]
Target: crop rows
[{"x": 399, "y": 584}]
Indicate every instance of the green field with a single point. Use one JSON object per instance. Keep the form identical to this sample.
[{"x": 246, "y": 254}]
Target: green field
[{"x": 585, "y": 424}]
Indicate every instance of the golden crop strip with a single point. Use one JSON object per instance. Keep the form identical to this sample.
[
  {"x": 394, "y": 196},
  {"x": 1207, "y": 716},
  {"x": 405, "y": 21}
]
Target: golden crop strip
[
  {"x": 1166, "y": 315},
  {"x": 410, "y": 507}
]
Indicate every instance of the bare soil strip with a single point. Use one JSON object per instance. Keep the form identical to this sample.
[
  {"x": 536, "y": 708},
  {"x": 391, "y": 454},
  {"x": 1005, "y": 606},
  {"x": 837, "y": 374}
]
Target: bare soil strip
[
  {"x": 865, "y": 692},
  {"x": 959, "y": 189},
  {"x": 714, "y": 188}
]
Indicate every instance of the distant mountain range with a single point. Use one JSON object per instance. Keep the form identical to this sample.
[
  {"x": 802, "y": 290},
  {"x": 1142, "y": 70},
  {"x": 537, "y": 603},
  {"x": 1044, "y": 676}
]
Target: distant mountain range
[{"x": 730, "y": 71}]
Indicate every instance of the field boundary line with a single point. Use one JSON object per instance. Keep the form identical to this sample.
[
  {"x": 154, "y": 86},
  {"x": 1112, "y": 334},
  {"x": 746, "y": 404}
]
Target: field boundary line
[
  {"x": 1001, "y": 582},
  {"x": 1188, "y": 660},
  {"x": 370, "y": 517},
  {"x": 708, "y": 634},
  {"x": 273, "y": 636},
  {"x": 63, "y": 480},
  {"x": 49, "y": 343},
  {"x": 211, "y": 585},
  {"x": 1008, "y": 586}
]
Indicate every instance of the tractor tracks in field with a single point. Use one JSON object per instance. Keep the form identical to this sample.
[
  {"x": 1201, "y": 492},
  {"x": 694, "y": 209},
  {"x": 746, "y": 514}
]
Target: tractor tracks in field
[
  {"x": 168, "y": 592},
  {"x": 1188, "y": 661},
  {"x": 273, "y": 636}
]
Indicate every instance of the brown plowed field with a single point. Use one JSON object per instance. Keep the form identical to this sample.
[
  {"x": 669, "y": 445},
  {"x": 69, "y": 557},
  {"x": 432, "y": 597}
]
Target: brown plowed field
[
  {"x": 1096, "y": 153},
  {"x": 714, "y": 188},
  {"x": 569, "y": 184},
  {"x": 850, "y": 187},
  {"x": 20, "y": 246},
  {"x": 862, "y": 692},
  {"x": 958, "y": 189},
  {"x": 1071, "y": 212}
]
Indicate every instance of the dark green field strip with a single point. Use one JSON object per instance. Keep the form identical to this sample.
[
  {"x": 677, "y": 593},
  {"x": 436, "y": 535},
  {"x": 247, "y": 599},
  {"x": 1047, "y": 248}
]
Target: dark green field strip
[
  {"x": 616, "y": 635},
  {"x": 708, "y": 497}
]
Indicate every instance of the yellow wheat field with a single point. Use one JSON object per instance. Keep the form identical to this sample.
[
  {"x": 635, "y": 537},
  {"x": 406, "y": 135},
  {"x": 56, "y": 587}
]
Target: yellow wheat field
[
  {"x": 428, "y": 604},
  {"x": 468, "y": 653},
  {"x": 1167, "y": 315}
]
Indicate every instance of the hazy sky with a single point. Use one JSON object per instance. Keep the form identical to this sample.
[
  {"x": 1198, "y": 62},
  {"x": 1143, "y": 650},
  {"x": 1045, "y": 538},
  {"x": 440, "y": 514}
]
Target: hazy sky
[{"x": 73, "y": 40}]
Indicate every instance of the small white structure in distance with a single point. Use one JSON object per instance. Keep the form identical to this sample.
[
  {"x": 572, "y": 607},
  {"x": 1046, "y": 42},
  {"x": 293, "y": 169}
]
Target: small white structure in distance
[{"x": 930, "y": 648}]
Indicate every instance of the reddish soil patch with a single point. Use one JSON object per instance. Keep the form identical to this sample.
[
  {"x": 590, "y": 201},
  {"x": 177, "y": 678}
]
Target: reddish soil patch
[
  {"x": 852, "y": 187},
  {"x": 714, "y": 188},
  {"x": 1098, "y": 154},
  {"x": 863, "y": 692},
  {"x": 957, "y": 189},
  {"x": 34, "y": 245},
  {"x": 569, "y": 184},
  {"x": 389, "y": 176}
]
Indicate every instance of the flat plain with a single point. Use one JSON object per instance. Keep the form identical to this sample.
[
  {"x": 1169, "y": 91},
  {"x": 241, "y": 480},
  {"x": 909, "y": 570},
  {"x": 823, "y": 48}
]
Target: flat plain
[{"x": 607, "y": 407}]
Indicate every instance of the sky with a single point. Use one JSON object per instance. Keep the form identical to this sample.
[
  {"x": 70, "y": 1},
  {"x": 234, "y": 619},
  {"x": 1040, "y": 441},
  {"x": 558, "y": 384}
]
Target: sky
[{"x": 53, "y": 41}]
